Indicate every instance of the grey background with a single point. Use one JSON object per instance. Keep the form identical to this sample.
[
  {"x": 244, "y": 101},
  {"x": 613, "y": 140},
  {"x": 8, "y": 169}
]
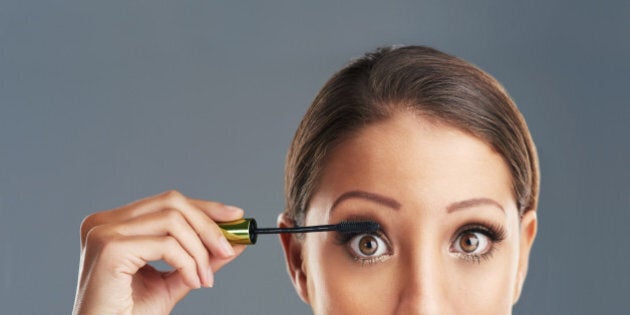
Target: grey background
[{"x": 106, "y": 102}]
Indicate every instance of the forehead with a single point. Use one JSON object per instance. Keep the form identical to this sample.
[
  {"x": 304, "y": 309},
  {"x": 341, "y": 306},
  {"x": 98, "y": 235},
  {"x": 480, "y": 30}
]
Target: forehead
[{"x": 409, "y": 155}]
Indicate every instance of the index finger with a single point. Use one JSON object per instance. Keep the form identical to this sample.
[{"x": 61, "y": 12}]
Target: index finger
[{"x": 211, "y": 209}]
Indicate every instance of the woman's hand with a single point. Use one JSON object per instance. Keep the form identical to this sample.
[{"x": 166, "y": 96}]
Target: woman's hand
[{"x": 116, "y": 245}]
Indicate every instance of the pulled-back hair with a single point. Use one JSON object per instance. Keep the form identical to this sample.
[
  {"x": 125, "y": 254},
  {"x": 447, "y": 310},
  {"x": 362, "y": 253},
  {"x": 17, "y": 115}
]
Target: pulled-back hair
[{"x": 422, "y": 80}]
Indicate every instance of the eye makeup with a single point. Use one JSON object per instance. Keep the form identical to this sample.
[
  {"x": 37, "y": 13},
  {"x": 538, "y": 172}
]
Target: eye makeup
[
  {"x": 365, "y": 247},
  {"x": 472, "y": 243},
  {"x": 361, "y": 246},
  {"x": 481, "y": 233}
]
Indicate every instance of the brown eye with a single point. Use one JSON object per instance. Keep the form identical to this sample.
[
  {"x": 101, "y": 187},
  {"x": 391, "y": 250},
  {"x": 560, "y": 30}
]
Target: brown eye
[
  {"x": 469, "y": 242},
  {"x": 368, "y": 245},
  {"x": 472, "y": 243}
]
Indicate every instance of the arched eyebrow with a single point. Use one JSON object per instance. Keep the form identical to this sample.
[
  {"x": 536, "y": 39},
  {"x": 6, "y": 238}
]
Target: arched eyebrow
[
  {"x": 470, "y": 203},
  {"x": 394, "y": 204},
  {"x": 386, "y": 201}
]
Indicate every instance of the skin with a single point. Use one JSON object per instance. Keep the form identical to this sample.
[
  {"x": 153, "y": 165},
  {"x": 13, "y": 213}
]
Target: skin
[
  {"x": 117, "y": 244},
  {"x": 426, "y": 169},
  {"x": 408, "y": 174}
]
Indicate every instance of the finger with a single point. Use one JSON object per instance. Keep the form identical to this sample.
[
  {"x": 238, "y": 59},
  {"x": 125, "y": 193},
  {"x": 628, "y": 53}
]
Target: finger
[
  {"x": 171, "y": 222},
  {"x": 129, "y": 211},
  {"x": 175, "y": 282},
  {"x": 217, "y": 263},
  {"x": 198, "y": 218},
  {"x": 217, "y": 211},
  {"x": 126, "y": 212},
  {"x": 127, "y": 254},
  {"x": 176, "y": 286},
  {"x": 209, "y": 232}
]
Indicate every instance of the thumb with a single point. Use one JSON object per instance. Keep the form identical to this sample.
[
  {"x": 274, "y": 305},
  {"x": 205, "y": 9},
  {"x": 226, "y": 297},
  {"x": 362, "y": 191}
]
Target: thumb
[{"x": 176, "y": 286}]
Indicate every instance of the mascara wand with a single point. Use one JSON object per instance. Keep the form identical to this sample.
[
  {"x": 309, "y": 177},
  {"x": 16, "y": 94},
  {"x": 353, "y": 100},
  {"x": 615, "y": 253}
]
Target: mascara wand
[{"x": 245, "y": 231}]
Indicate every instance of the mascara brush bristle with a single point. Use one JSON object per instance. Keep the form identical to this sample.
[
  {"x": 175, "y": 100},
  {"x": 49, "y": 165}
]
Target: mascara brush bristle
[{"x": 357, "y": 227}]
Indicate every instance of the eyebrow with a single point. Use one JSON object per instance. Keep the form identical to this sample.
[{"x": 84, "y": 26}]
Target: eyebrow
[
  {"x": 392, "y": 203},
  {"x": 469, "y": 203},
  {"x": 386, "y": 201}
]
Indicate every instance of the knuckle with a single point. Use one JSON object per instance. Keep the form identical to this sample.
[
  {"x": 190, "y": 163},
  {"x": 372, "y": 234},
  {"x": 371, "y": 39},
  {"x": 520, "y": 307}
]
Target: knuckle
[
  {"x": 190, "y": 263},
  {"x": 174, "y": 199},
  {"x": 216, "y": 232},
  {"x": 97, "y": 237},
  {"x": 88, "y": 223},
  {"x": 172, "y": 195},
  {"x": 111, "y": 246},
  {"x": 170, "y": 242},
  {"x": 198, "y": 250},
  {"x": 203, "y": 256},
  {"x": 172, "y": 215}
]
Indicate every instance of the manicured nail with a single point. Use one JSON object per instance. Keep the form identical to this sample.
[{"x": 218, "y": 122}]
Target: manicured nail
[
  {"x": 233, "y": 208},
  {"x": 226, "y": 248},
  {"x": 210, "y": 278}
]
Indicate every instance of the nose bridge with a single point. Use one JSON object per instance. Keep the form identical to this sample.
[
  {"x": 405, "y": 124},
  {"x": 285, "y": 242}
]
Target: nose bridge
[{"x": 423, "y": 286}]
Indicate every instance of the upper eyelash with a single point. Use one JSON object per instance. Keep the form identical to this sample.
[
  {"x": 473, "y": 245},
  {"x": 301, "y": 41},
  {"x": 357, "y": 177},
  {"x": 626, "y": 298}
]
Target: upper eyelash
[
  {"x": 495, "y": 232},
  {"x": 343, "y": 238}
]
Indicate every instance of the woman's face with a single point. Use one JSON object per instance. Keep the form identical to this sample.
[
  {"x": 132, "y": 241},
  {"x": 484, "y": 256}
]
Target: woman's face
[{"x": 450, "y": 239}]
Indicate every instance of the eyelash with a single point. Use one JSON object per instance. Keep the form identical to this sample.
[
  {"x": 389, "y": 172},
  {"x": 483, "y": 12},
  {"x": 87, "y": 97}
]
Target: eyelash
[
  {"x": 494, "y": 232},
  {"x": 344, "y": 239}
]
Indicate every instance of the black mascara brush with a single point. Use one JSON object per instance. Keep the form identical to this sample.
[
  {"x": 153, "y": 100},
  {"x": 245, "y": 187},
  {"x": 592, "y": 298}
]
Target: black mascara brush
[{"x": 245, "y": 231}]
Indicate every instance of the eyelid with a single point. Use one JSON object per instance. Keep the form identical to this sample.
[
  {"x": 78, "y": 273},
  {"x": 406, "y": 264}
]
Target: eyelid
[
  {"x": 494, "y": 231},
  {"x": 344, "y": 239},
  {"x": 486, "y": 240},
  {"x": 367, "y": 260},
  {"x": 356, "y": 242}
]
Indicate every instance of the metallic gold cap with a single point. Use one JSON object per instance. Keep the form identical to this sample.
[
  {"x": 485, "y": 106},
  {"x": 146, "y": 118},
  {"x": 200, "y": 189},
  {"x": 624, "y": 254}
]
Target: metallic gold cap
[{"x": 242, "y": 231}]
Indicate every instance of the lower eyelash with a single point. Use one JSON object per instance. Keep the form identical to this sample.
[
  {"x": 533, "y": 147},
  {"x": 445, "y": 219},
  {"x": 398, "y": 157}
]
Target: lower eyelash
[
  {"x": 494, "y": 232},
  {"x": 343, "y": 239},
  {"x": 373, "y": 260},
  {"x": 476, "y": 259}
]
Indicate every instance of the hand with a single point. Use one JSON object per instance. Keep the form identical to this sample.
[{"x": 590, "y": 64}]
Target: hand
[{"x": 116, "y": 245}]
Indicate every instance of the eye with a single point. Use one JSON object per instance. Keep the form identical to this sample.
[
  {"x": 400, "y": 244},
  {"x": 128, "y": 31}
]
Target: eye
[
  {"x": 368, "y": 246},
  {"x": 472, "y": 243},
  {"x": 477, "y": 240}
]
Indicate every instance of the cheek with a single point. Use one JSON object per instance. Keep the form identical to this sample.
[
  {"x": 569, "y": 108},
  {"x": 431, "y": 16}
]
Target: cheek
[
  {"x": 488, "y": 285},
  {"x": 339, "y": 285}
]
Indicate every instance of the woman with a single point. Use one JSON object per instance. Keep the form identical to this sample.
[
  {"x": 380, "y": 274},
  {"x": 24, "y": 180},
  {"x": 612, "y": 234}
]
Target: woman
[{"x": 425, "y": 144}]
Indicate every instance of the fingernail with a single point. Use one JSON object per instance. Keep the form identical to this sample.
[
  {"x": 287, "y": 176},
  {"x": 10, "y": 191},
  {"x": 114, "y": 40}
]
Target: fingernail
[
  {"x": 210, "y": 278},
  {"x": 226, "y": 248},
  {"x": 233, "y": 208}
]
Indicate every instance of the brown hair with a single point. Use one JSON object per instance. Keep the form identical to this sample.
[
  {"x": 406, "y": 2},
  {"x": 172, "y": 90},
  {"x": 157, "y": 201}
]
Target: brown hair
[{"x": 426, "y": 81}]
